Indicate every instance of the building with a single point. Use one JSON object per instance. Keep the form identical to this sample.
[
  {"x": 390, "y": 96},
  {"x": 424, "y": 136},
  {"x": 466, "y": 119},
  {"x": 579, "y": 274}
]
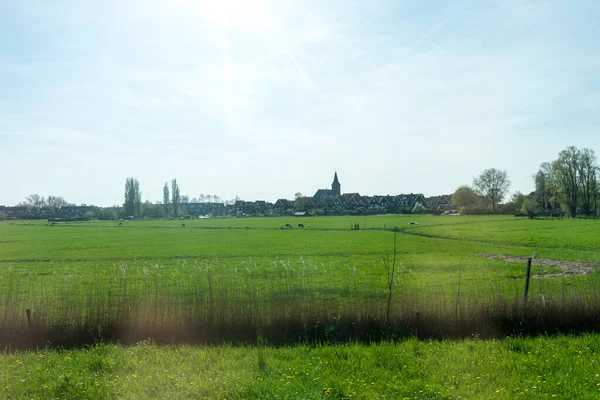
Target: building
[
  {"x": 336, "y": 189},
  {"x": 440, "y": 203}
]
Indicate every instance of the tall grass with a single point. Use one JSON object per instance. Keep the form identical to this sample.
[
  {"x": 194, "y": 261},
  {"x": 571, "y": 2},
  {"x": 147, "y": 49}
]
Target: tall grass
[{"x": 286, "y": 303}]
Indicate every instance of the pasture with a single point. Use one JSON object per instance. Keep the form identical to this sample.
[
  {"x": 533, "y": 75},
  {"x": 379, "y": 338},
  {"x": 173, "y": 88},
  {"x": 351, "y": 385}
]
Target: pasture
[{"x": 216, "y": 282}]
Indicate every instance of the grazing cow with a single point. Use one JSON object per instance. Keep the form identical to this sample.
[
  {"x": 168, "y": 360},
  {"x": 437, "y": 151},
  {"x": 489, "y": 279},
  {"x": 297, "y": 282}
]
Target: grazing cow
[
  {"x": 183, "y": 225},
  {"x": 413, "y": 223},
  {"x": 288, "y": 225},
  {"x": 229, "y": 227},
  {"x": 300, "y": 225},
  {"x": 120, "y": 223},
  {"x": 280, "y": 226},
  {"x": 308, "y": 225},
  {"x": 247, "y": 227}
]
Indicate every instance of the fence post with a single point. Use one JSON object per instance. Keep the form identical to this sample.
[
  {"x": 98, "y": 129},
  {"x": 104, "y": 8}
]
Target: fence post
[{"x": 527, "y": 278}]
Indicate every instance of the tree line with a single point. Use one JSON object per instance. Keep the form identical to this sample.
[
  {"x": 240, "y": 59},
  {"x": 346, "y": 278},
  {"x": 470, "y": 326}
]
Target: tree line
[
  {"x": 132, "y": 203},
  {"x": 171, "y": 201},
  {"x": 567, "y": 184}
]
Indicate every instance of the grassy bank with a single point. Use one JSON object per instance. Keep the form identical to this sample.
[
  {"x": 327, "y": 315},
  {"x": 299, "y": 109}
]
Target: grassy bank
[{"x": 539, "y": 368}]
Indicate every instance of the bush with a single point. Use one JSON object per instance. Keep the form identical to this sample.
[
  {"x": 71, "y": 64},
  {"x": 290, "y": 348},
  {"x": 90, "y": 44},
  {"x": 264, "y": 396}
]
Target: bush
[{"x": 419, "y": 209}]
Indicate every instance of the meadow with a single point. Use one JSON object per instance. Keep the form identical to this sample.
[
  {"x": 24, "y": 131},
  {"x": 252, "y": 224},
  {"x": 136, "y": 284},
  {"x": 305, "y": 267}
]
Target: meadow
[{"x": 324, "y": 290}]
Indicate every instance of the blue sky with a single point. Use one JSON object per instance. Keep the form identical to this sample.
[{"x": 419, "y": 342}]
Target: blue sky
[{"x": 262, "y": 99}]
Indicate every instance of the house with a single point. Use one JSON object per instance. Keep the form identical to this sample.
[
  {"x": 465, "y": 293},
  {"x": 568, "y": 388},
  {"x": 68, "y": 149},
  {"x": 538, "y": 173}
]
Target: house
[
  {"x": 197, "y": 209},
  {"x": 17, "y": 212},
  {"x": 440, "y": 203},
  {"x": 406, "y": 202},
  {"x": 261, "y": 206},
  {"x": 283, "y": 205}
]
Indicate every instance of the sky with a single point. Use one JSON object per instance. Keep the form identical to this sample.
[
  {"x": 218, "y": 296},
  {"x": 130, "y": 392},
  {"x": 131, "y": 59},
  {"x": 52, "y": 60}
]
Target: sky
[{"x": 263, "y": 99}]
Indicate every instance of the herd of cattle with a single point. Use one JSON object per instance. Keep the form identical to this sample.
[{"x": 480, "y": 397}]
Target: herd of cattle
[
  {"x": 300, "y": 225},
  {"x": 290, "y": 225}
]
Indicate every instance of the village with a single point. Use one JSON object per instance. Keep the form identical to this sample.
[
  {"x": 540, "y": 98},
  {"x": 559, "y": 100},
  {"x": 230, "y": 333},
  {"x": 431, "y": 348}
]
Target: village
[{"x": 323, "y": 202}]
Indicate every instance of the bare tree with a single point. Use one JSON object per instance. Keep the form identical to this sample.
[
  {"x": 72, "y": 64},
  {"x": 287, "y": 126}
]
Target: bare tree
[
  {"x": 56, "y": 202},
  {"x": 493, "y": 184},
  {"x": 35, "y": 201}
]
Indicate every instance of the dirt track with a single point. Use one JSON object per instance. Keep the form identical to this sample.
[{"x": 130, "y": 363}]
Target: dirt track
[{"x": 569, "y": 268}]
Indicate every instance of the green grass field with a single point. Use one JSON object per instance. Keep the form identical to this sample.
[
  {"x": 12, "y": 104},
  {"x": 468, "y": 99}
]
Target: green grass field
[
  {"x": 540, "y": 368},
  {"x": 265, "y": 286}
]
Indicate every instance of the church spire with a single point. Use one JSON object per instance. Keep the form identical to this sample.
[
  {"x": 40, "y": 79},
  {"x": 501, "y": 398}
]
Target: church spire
[{"x": 336, "y": 186}]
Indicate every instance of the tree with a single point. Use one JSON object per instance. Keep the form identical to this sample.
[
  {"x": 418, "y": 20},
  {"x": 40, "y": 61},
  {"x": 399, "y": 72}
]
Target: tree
[
  {"x": 573, "y": 178},
  {"x": 541, "y": 195},
  {"x": 587, "y": 180},
  {"x": 185, "y": 199},
  {"x": 56, "y": 202},
  {"x": 518, "y": 199},
  {"x": 108, "y": 214},
  {"x": 529, "y": 206},
  {"x": 175, "y": 197},
  {"x": 493, "y": 184},
  {"x": 34, "y": 202},
  {"x": 464, "y": 197},
  {"x": 565, "y": 170},
  {"x": 419, "y": 209},
  {"x": 300, "y": 202},
  {"x": 133, "y": 197},
  {"x": 166, "y": 198}
]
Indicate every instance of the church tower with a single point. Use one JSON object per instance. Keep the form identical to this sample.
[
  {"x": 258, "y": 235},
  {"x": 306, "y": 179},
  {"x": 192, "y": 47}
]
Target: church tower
[{"x": 335, "y": 186}]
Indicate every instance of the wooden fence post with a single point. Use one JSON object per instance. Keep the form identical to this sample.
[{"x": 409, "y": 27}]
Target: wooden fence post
[{"x": 527, "y": 278}]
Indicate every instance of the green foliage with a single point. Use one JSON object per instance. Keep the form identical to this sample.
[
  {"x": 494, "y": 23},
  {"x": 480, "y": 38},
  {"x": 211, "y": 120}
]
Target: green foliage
[
  {"x": 464, "y": 197},
  {"x": 175, "y": 197},
  {"x": 529, "y": 207},
  {"x": 109, "y": 214},
  {"x": 166, "y": 198},
  {"x": 133, "y": 198},
  {"x": 300, "y": 202},
  {"x": 575, "y": 176},
  {"x": 419, "y": 209}
]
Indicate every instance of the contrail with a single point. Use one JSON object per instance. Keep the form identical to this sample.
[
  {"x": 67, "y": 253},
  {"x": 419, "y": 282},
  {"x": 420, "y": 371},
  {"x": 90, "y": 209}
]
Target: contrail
[
  {"x": 437, "y": 28},
  {"x": 291, "y": 56},
  {"x": 430, "y": 34}
]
